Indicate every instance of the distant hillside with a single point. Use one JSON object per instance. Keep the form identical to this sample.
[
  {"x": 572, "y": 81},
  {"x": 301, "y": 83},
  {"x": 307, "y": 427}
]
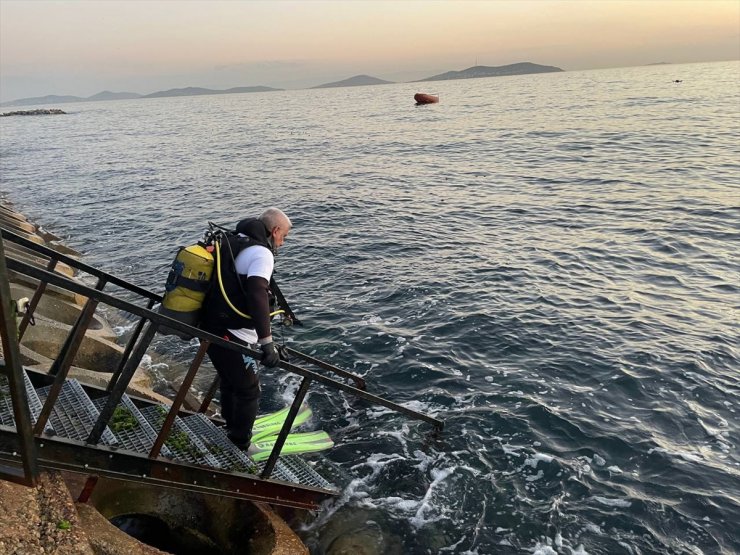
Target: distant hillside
[
  {"x": 356, "y": 81},
  {"x": 522, "y": 68},
  {"x": 198, "y": 91},
  {"x": 50, "y": 99},
  {"x": 107, "y": 95}
]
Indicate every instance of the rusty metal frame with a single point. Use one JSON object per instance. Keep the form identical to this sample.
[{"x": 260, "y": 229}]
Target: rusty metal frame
[
  {"x": 134, "y": 465},
  {"x": 65, "y": 454},
  {"x": 14, "y": 373},
  {"x": 162, "y": 320}
]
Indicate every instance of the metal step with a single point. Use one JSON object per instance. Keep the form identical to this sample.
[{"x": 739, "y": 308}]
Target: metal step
[
  {"x": 74, "y": 414},
  {"x": 291, "y": 468},
  {"x": 7, "y": 417},
  {"x": 182, "y": 444},
  {"x": 228, "y": 455},
  {"x": 302, "y": 470},
  {"x": 133, "y": 432},
  {"x": 199, "y": 440}
]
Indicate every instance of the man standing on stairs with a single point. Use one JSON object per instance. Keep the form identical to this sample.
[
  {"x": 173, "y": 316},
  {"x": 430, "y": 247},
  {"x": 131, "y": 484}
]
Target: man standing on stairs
[{"x": 238, "y": 308}]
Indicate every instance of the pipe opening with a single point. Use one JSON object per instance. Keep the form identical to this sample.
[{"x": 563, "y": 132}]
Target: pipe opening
[{"x": 155, "y": 532}]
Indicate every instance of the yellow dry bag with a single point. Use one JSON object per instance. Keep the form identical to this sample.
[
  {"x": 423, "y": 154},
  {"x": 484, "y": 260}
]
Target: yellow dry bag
[{"x": 186, "y": 287}]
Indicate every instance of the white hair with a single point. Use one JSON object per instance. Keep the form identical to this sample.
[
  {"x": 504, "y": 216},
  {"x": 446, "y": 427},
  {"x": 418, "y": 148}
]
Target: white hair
[{"x": 274, "y": 217}]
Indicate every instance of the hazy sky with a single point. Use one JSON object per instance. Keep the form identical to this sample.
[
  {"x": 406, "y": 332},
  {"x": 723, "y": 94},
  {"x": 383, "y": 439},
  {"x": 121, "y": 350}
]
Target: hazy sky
[{"x": 82, "y": 47}]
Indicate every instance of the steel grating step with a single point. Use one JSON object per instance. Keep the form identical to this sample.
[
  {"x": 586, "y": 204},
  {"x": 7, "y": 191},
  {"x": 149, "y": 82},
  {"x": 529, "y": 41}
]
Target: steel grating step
[
  {"x": 228, "y": 455},
  {"x": 74, "y": 414},
  {"x": 198, "y": 440},
  {"x": 291, "y": 469},
  {"x": 7, "y": 417},
  {"x": 183, "y": 446},
  {"x": 131, "y": 429},
  {"x": 302, "y": 470}
]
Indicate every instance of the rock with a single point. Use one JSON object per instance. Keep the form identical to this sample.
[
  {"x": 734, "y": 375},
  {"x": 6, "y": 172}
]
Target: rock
[
  {"x": 36, "y": 112},
  {"x": 41, "y": 519}
]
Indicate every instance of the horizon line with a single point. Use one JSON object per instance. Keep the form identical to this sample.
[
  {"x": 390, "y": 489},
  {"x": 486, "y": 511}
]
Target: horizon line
[{"x": 277, "y": 89}]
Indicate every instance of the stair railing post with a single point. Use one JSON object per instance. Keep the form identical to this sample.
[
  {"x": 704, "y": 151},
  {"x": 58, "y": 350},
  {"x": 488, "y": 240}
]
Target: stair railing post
[
  {"x": 210, "y": 394},
  {"x": 128, "y": 349},
  {"x": 121, "y": 384},
  {"x": 63, "y": 362},
  {"x": 285, "y": 430},
  {"x": 76, "y": 335},
  {"x": 11, "y": 353},
  {"x": 40, "y": 289},
  {"x": 179, "y": 399}
]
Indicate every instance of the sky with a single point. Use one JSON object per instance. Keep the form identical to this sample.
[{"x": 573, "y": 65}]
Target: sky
[{"x": 82, "y": 47}]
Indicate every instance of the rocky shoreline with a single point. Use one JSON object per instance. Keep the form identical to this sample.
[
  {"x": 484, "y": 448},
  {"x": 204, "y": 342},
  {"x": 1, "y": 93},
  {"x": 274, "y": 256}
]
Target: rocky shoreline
[{"x": 46, "y": 519}]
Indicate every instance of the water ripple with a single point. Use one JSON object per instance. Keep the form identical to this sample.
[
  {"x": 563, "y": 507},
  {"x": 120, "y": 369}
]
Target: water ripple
[{"x": 548, "y": 263}]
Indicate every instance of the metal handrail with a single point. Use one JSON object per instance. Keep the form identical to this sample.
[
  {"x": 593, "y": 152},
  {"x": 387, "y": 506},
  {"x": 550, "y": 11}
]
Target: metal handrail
[
  {"x": 155, "y": 320},
  {"x": 161, "y": 320},
  {"x": 76, "y": 264},
  {"x": 56, "y": 257}
]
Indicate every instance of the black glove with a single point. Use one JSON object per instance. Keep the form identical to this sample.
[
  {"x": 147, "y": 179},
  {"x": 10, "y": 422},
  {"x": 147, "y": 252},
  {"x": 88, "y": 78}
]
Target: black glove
[{"x": 270, "y": 355}]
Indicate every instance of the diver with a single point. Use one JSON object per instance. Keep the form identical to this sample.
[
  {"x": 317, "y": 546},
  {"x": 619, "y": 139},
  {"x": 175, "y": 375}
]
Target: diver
[{"x": 238, "y": 308}]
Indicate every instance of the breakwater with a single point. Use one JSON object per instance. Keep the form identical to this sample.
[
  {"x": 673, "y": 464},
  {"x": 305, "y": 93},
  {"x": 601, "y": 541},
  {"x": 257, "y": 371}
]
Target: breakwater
[{"x": 36, "y": 112}]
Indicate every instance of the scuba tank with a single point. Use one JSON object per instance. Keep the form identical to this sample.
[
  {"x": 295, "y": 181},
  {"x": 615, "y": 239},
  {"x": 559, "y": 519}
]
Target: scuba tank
[
  {"x": 186, "y": 286},
  {"x": 195, "y": 270}
]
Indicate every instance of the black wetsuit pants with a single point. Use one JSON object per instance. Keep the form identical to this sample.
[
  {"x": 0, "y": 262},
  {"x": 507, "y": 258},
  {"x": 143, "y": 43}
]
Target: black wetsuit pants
[{"x": 240, "y": 391}]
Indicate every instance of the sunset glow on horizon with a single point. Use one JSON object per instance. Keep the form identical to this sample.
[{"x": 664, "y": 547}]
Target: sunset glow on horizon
[{"x": 77, "y": 47}]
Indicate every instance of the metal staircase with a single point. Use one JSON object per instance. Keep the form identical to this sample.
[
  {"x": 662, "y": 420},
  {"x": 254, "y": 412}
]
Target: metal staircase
[
  {"x": 195, "y": 439},
  {"x": 51, "y": 421}
]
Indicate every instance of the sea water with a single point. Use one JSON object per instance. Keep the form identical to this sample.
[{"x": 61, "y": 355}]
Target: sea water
[{"x": 547, "y": 263}]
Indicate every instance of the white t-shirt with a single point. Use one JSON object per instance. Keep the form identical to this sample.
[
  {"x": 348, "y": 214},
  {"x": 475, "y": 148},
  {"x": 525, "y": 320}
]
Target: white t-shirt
[{"x": 253, "y": 261}]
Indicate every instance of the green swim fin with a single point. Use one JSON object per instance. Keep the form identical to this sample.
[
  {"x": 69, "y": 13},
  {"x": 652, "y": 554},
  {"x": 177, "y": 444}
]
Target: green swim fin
[
  {"x": 271, "y": 424},
  {"x": 306, "y": 442}
]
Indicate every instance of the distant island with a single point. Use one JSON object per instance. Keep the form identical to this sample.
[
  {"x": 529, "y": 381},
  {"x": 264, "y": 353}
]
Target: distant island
[
  {"x": 356, "y": 81},
  {"x": 522, "y": 68},
  {"x": 108, "y": 95},
  {"x": 198, "y": 91}
]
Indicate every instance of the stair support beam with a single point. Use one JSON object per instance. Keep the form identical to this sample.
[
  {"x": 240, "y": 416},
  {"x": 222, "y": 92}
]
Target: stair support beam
[
  {"x": 210, "y": 394},
  {"x": 63, "y": 362},
  {"x": 19, "y": 400},
  {"x": 285, "y": 430},
  {"x": 129, "y": 348},
  {"x": 122, "y": 383},
  {"x": 34, "y": 302},
  {"x": 179, "y": 399},
  {"x": 74, "y": 456}
]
